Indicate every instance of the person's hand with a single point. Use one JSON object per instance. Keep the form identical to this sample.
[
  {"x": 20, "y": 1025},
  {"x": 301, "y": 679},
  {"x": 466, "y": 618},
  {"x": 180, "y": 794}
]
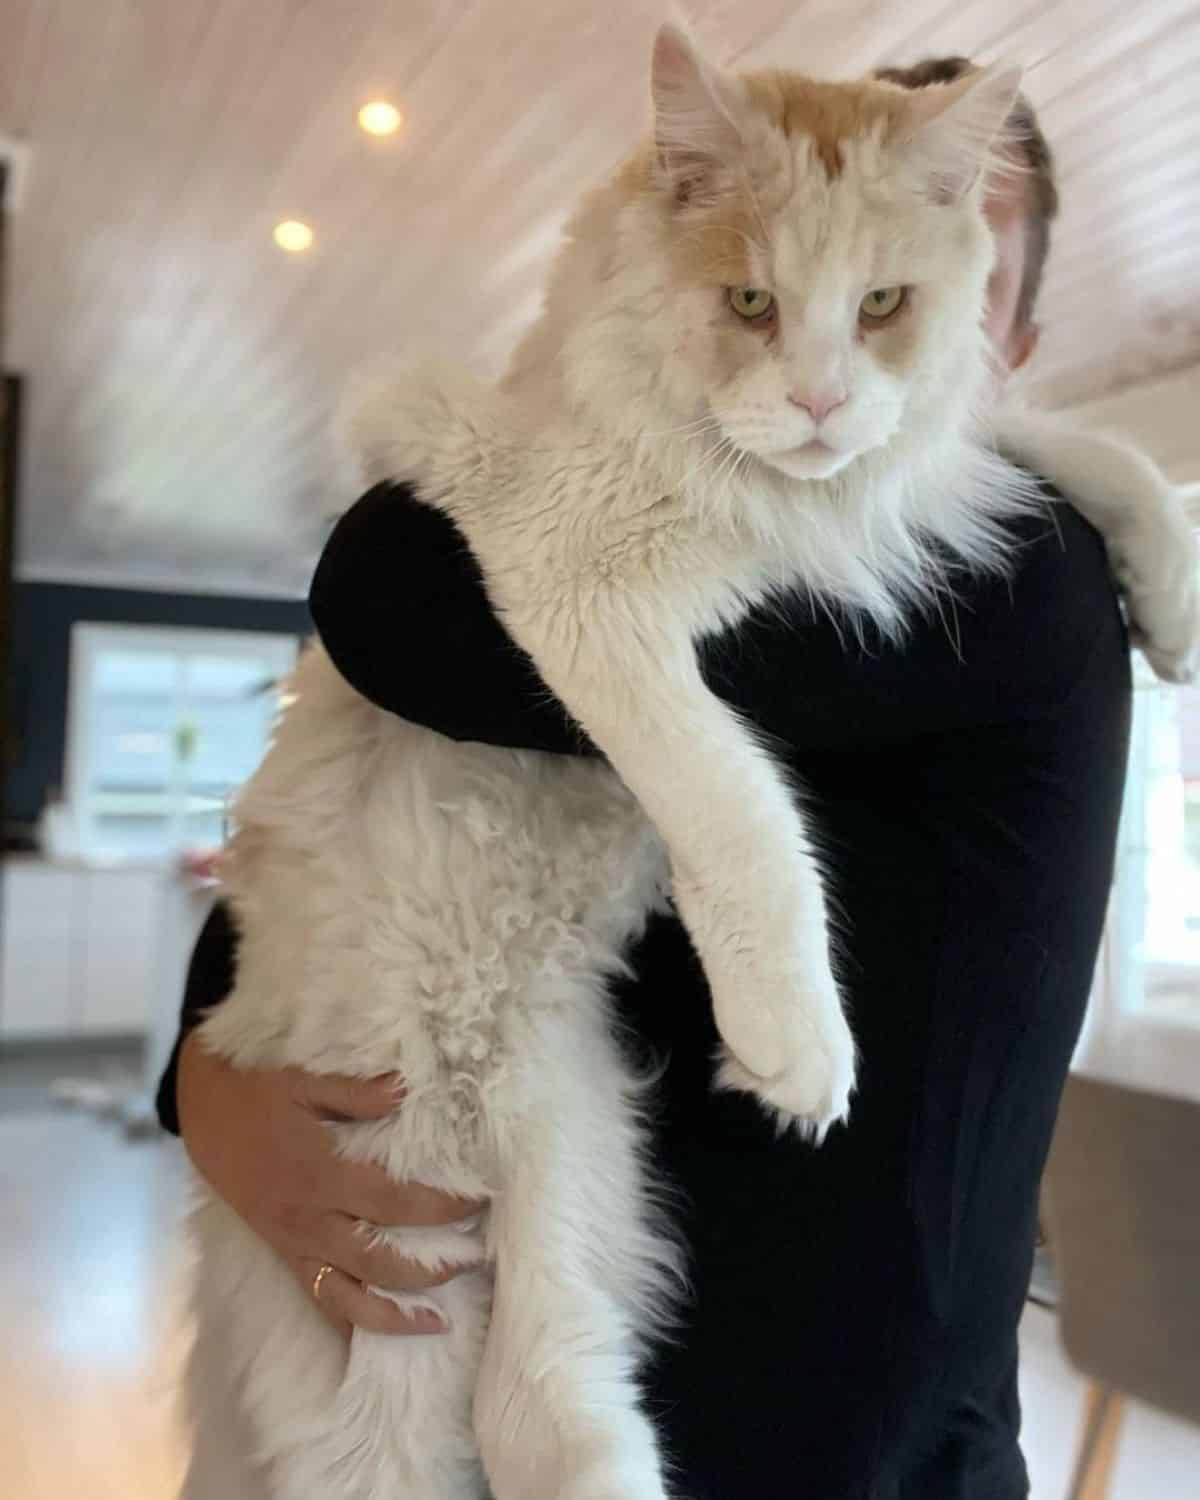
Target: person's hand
[{"x": 262, "y": 1141}]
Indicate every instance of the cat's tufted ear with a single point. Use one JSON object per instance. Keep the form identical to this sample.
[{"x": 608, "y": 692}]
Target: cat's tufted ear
[
  {"x": 695, "y": 106},
  {"x": 953, "y": 130}
]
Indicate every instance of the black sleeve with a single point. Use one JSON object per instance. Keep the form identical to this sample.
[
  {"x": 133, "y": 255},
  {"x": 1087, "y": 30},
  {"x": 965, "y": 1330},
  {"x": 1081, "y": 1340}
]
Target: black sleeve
[
  {"x": 1002, "y": 647},
  {"x": 210, "y": 978},
  {"x": 400, "y": 605},
  {"x": 402, "y": 609}
]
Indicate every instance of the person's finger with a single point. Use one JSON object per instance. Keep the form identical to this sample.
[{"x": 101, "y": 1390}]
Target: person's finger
[
  {"x": 352, "y": 1247},
  {"x": 345, "y": 1302},
  {"x": 365, "y": 1191},
  {"x": 335, "y": 1097}
]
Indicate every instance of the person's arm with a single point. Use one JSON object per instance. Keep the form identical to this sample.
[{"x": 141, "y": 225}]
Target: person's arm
[
  {"x": 399, "y": 603},
  {"x": 210, "y": 978}
]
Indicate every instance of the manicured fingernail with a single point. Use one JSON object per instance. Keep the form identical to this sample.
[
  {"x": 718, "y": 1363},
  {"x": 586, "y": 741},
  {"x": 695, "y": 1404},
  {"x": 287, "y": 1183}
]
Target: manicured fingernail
[{"x": 425, "y": 1321}]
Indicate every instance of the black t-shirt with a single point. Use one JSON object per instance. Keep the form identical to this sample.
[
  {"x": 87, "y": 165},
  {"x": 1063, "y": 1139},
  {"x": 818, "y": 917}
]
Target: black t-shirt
[{"x": 852, "y": 1334}]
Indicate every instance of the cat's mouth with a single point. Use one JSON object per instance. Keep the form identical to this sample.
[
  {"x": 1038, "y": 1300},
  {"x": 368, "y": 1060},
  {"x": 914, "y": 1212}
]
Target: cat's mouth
[
  {"x": 815, "y": 459},
  {"x": 814, "y": 448}
]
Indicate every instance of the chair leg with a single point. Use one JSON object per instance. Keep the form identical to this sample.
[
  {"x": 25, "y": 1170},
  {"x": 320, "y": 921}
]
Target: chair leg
[{"x": 1098, "y": 1443}]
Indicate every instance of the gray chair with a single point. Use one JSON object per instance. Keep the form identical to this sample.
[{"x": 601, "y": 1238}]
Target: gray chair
[{"x": 1122, "y": 1198}]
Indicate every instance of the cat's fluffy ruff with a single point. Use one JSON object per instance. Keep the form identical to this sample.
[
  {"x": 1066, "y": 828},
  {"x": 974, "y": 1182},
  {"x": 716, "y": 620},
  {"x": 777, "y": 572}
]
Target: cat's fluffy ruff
[{"x": 453, "y": 911}]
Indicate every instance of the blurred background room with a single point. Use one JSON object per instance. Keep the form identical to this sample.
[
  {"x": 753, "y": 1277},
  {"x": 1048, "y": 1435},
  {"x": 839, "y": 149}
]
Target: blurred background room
[{"x": 211, "y": 213}]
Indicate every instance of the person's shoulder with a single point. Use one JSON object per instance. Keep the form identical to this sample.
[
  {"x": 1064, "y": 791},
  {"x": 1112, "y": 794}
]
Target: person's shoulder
[
  {"x": 1052, "y": 539},
  {"x": 388, "y": 524},
  {"x": 1051, "y": 611},
  {"x": 1057, "y": 569}
]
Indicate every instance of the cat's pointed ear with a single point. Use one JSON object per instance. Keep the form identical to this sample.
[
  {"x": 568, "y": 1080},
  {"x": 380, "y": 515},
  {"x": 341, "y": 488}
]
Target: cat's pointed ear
[
  {"x": 694, "y": 113},
  {"x": 954, "y": 130}
]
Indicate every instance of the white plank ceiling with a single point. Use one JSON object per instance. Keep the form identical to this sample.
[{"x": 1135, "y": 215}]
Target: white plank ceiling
[{"x": 182, "y": 369}]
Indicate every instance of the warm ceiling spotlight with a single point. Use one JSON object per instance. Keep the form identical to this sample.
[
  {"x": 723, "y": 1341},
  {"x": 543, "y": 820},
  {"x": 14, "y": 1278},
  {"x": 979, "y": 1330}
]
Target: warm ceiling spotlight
[
  {"x": 293, "y": 236},
  {"x": 380, "y": 118}
]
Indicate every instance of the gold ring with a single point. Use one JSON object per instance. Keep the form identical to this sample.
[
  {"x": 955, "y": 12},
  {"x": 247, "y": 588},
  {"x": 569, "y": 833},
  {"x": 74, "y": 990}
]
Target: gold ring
[{"x": 318, "y": 1279}]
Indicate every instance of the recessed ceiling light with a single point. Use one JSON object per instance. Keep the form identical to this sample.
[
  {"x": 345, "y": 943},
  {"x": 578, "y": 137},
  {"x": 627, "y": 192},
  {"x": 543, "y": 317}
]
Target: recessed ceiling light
[
  {"x": 293, "y": 236},
  {"x": 380, "y": 118}
]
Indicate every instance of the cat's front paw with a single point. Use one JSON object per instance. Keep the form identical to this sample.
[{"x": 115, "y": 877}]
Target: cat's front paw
[
  {"x": 810, "y": 1096},
  {"x": 1160, "y": 579},
  {"x": 808, "y": 1075}
]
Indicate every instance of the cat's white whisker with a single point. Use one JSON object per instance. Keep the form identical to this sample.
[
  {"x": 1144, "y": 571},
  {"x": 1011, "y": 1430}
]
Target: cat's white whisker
[
  {"x": 698, "y": 482},
  {"x": 701, "y": 424}
]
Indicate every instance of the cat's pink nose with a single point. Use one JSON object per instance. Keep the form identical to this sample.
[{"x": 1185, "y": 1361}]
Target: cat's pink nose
[{"x": 818, "y": 404}]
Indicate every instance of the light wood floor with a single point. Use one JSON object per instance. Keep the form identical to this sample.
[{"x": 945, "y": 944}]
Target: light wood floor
[
  {"x": 90, "y": 1328},
  {"x": 91, "y": 1334}
]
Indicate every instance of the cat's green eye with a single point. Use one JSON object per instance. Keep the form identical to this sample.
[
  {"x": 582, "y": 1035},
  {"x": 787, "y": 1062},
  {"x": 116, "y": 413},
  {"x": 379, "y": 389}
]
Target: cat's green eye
[
  {"x": 883, "y": 303},
  {"x": 750, "y": 301}
]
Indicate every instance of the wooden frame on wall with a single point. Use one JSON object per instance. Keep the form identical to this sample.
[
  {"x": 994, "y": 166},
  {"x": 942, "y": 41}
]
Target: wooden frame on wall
[{"x": 10, "y": 431}]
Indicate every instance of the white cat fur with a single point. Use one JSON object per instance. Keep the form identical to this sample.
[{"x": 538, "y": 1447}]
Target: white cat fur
[{"x": 453, "y": 911}]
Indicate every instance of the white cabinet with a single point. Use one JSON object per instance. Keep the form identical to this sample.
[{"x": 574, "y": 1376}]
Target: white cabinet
[
  {"x": 78, "y": 948},
  {"x": 120, "y": 931},
  {"x": 36, "y": 977}
]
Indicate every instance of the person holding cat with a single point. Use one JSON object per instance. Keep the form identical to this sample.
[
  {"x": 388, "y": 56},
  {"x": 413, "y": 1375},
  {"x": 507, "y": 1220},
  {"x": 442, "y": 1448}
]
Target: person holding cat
[{"x": 852, "y": 1330}]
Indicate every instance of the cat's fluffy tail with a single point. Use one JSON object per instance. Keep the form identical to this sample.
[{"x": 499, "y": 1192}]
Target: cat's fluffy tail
[{"x": 426, "y": 424}]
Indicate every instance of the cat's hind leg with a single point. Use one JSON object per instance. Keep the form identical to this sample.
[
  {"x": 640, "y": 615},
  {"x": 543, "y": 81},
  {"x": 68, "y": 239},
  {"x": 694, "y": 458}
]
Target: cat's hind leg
[
  {"x": 238, "y": 1284},
  {"x": 581, "y": 1274},
  {"x": 284, "y": 1411},
  {"x": 222, "y": 1463}
]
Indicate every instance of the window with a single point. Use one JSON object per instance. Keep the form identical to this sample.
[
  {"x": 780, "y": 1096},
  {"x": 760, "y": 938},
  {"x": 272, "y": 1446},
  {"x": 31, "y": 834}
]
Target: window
[
  {"x": 164, "y": 726},
  {"x": 1143, "y": 1022},
  {"x": 1158, "y": 879}
]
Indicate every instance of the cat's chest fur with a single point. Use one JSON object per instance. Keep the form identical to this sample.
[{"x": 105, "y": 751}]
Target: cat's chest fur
[
  {"x": 437, "y": 895},
  {"x": 581, "y": 521}
]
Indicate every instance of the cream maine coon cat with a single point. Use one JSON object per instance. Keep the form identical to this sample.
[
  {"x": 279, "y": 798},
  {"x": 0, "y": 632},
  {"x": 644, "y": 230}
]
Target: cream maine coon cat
[{"x": 757, "y": 366}]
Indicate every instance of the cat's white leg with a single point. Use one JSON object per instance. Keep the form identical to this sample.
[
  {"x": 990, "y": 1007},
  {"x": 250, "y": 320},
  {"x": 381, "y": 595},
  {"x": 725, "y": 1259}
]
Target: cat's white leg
[
  {"x": 758, "y": 919},
  {"x": 1145, "y": 524},
  {"x": 390, "y": 1419},
  {"x": 262, "y": 1363},
  {"x": 745, "y": 880},
  {"x": 582, "y": 1275},
  {"x": 1157, "y": 567},
  {"x": 401, "y": 1428},
  {"x": 222, "y": 1464}
]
